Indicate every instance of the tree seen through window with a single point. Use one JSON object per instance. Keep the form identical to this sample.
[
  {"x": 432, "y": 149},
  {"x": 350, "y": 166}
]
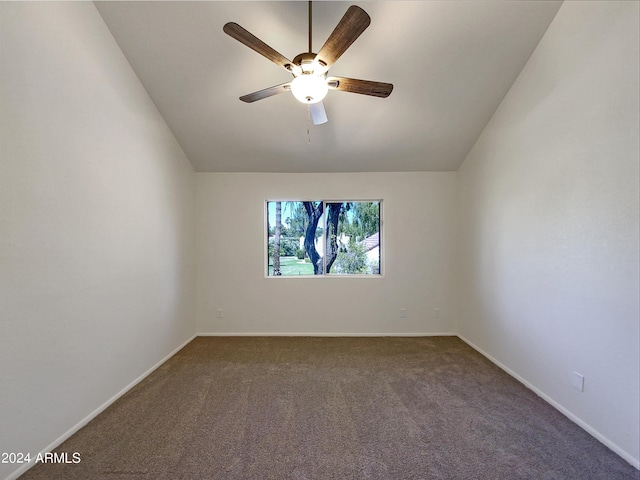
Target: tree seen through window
[{"x": 320, "y": 238}]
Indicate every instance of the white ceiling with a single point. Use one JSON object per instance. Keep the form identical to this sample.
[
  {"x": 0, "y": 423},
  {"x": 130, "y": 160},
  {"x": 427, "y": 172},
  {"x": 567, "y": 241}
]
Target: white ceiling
[{"x": 451, "y": 63}]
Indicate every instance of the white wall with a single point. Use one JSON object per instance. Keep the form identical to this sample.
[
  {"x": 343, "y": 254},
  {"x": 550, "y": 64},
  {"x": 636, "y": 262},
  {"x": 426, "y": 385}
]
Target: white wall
[
  {"x": 419, "y": 213},
  {"x": 96, "y": 221},
  {"x": 549, "y": 223}
]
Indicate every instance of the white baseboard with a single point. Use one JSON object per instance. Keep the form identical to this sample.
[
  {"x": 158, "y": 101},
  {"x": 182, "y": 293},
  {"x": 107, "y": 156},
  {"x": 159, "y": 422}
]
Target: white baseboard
[
  {"x": 97, "y": 411},
  {"x": 325, "y": 334},
  {"x": 582, "y": 424}
]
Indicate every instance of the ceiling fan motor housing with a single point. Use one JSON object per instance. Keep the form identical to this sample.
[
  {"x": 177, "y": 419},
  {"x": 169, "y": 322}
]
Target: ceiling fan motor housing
[{"x": 308, "y": 63}]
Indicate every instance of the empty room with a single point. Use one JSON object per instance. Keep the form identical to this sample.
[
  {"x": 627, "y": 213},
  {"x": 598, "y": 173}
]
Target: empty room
[{"x": 320, "y": 240}]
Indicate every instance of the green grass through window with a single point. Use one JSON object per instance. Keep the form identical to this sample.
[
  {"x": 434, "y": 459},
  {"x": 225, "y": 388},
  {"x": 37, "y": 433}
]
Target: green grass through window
[{"x": 290, "y": 266}]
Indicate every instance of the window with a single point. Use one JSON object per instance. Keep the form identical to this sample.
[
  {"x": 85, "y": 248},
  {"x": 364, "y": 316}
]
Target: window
[{"x": 323, "y": 238}]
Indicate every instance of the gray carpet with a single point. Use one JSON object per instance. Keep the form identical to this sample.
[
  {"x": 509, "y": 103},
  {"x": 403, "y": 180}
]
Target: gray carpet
[{"x": 308, "y": 408}]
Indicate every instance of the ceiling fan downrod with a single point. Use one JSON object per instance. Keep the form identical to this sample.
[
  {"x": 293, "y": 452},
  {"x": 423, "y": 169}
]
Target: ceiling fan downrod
[
  {"x": 310, "y": 18},
  {"x": 308, "y": 61}
]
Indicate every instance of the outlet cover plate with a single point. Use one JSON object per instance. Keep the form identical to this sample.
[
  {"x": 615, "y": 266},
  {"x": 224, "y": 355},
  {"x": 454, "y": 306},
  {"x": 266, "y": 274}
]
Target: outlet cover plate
[{"x": 577, "y": 381}]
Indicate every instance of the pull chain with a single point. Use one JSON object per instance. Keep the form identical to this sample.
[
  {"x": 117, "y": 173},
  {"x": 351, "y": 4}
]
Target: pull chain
[{"x": 308, "y": 110}]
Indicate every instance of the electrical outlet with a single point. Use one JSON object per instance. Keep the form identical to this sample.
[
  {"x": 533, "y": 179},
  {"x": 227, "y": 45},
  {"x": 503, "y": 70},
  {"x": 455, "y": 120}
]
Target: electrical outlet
[
  {"x": 403, "y": 313},
  {"x": 436, "y": 313},
  {"x": 577, "y": 381},
  {"x": 219, "y": 313}
]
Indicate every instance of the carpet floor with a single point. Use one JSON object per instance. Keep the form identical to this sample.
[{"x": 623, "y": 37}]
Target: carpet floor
[{"x": 316, "y": 408}]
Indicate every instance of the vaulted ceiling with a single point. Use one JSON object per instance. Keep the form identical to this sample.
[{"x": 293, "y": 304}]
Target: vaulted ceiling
[{"x": 451, "y": 64}]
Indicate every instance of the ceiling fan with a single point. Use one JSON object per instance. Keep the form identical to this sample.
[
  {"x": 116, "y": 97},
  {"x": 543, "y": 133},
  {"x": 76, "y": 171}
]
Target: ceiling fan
[{"x": 311, "y": 83}]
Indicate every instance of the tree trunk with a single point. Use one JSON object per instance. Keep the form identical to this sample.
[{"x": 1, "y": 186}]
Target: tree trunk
[
  {"x": 276, "y": 240},
  {"x": 314, "y": 213},
  {"x": 331, "y": 236}
]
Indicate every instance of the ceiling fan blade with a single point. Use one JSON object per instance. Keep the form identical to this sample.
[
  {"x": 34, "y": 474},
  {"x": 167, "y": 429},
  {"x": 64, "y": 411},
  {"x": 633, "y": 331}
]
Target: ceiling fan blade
[
  {"x": 267, "y": 92},
  {"x": 353, "y": 23},
  {"x": 247, "y": 38},
  {"x": 363, "y": 87},
  {"x": 318, "y": 113}
]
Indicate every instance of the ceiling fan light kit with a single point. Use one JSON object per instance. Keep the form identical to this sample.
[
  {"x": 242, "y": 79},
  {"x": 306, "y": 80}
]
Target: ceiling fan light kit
[
  {"x": 310, "y": 84},
  {"x": 309, "y": 88}
]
